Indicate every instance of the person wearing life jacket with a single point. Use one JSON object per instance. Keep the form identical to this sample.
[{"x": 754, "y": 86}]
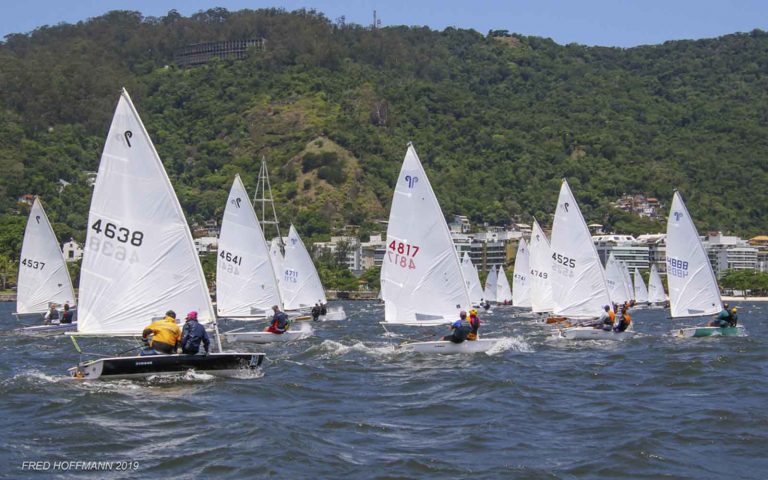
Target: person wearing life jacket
[
  {"x": 734, "y": 320},
  {"x": 52, "y": 315},
  {"x": 66, "y": 315},
  {"x": 474, "y": 322},
  {"x": 606, "y": 320},
  {"x": 316, "y": 312},
  {"x": 165, "y": 335},
  {"x": 323, "y": 309},
  {"x": 279, "y": 323},
  {"x": 460, "y": 329},
  {"x": 723, "y": 318},
  {"x": 192, "y": 334},
  {"x": 625, "y": 321}
]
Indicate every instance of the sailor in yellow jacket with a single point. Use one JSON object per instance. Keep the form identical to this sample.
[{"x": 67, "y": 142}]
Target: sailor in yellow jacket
[{"x": 166, "y": 335}]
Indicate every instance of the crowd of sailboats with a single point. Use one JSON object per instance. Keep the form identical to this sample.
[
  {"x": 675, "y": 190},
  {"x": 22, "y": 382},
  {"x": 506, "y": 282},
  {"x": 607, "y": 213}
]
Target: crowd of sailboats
[{"x": 140, "y": 261}]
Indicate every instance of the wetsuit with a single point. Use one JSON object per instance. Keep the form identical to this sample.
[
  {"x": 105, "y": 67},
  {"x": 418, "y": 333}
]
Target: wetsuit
[{"x": 461, "y": 329}]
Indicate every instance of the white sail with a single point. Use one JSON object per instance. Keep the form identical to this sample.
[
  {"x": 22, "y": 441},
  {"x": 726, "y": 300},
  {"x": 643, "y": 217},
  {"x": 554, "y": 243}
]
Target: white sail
[
  {"x": 614, "y": 279},
  {"x": 491, "y": 285},
  {"x": 43, "y": 275},
  {"x": 630, "y": 289},
  {"x": 139, "y": 259},
  {"x": 421, "y": 277},
  {"x": 276, "y": 255},
  {"x": 540, "y": 271},
  {"x": 578, "y": 279},
  {"x": 641, "y": 293},
  {"x": 656, "y": 287},
  {"x": 300, "y": 284},
  {"x": 693, "y": 290},
  {"x": 503, "y": 292},
  {"x": 521, "y": 284},
  {"x": 245, "y": 281},
  {"x": 472, "y": 280}
]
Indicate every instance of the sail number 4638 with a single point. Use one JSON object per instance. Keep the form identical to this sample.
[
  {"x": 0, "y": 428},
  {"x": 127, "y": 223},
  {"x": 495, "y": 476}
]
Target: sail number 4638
[{"x": 121, "y": 234}]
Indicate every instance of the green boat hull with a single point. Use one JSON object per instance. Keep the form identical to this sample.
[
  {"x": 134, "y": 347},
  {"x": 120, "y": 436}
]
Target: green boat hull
[{"x": 737, "y": 331}]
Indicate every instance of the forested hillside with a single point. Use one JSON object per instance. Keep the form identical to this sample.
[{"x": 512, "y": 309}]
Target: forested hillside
[{"x": 498, "y": 120}]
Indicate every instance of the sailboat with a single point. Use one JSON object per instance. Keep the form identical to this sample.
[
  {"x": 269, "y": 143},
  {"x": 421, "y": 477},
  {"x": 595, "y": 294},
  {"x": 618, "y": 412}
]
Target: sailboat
[
  {"x": 246, "y": 287},
  {"x": 540, "y": 271},
  {"x": 641, "y": 292},
  {"x": 693, "y": 289},
  {"x": 43, "y": 276},
  {"x": 421, "y": 277},
  {"x": 503, "y": 292},
  {"x": 472, "y": 280},
  {"x": 656, "y": 295},
  {"x": 614, "y": 278},
  {"x": 491, "y": 285},
  {"x": 140, "y": 260},
  {"x": 579, "y": 288},
  {"x": 629, "y": 288},
  {"x": 521, "y": 286}
]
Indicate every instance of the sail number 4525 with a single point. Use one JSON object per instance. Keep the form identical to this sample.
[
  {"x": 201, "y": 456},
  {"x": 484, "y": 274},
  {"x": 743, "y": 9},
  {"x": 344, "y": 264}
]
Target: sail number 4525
[{"x": 562, "y": 260}]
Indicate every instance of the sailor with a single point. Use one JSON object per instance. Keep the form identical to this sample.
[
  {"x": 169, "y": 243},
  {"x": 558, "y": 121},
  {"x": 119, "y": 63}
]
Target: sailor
[
  {"x": 460, "y": 329},
  {"x": 734, "y": 320},
  {"x": 625, "y": 321},
  {"x": 192, "y": 334},
  {"x": 485, "y": 304},
  {"x": 474, "y": 322},
  {"x": 52, "y": 315},
  {"x": 606, "y": 320},
  {"x": 279, "y": 323},
  {"x": 723, "y": 318},
  {"x": 165, "y": 335},
  {"x": 66, "y": 315},
  {"x": 316, "y": 312},
  {"x": 323, "y": 310}
]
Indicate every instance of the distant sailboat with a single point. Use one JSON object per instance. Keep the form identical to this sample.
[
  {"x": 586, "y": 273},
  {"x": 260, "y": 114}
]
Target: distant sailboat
[
  {"x": 503, "y": 292},
  {"x": 578, "y": 280},
  {"x": 693, "y": 289},
  {"x": 139, "y": 259},
  {"x": 491, "y": 285},
  {"x": 521, "y": 285},
  {"x": 540, "y": 271},
  {"x": 43, "y": 276},
  {"x": 421, "y": 276},
  {"x": 656, "y": 293},
  {"x": 641, "y": 292},
  {"x": 472, "y": 280},
  {"x": 614, "y": 278}
]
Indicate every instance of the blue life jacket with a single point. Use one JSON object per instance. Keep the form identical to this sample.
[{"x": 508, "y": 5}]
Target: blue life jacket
[
  {"x": 461, "y": 329},
  {"x": 191, "y": 335},
  {"x": 282, "y": 321}
]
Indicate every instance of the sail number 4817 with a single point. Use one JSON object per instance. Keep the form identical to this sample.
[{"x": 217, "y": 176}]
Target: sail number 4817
[{"x": 402, "y": 254}]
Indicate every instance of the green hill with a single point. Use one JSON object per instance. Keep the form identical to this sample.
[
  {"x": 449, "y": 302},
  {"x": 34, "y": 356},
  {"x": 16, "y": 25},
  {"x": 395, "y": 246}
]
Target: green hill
[{"x": 498, "y": 120}]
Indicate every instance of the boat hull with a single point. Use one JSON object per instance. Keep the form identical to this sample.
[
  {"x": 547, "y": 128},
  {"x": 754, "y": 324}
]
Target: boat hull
[
  {"x": 220, "y": 364},
  {"x": 264, "y": 337},
  {"x": 737, "y": 331},
  {"x": 48, "y": 329},
  {"x": 589, "y": 333},
  {"x": 448, "y": 348}
]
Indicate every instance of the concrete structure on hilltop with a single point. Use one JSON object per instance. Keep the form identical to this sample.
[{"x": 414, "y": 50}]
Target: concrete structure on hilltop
[
  {"x": 201, "y": 53},
  {"x": 640, "y": 205},
  {"x": 72, "y": 250}
]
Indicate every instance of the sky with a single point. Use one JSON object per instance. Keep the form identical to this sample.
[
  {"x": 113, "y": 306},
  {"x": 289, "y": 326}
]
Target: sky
[{"x": 617, "y": 23}]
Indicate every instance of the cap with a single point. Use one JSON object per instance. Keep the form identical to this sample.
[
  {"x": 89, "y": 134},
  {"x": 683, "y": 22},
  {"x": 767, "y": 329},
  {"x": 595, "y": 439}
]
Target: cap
[{"x": 192, "y": 315}]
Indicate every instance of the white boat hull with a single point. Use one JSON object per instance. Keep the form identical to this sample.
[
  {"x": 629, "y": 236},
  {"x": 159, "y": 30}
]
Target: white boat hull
[
  {"x": 265, "y": 337},
  {"x": 48, "y": 329},
  {"x": 445, "y": 347},
  {"x": 589, "y": 333}
]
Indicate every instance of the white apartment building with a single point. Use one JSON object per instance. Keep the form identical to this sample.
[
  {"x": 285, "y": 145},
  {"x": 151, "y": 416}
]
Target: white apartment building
[
  {"x": 727, "y": 252},
  {"x": 625, "y": 248},
  {"x": 349, "y": 246}
]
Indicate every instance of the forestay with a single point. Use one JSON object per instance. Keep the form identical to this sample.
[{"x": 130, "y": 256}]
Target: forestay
[
  {"x": 693, "y": 290},
  {"x": 139, "y": 259},
  {"x": 540, "y": 271},
  {"x": 472, "y": 280},
  {"x": 276, "y": 255},
  {"x": 245, "y": 281},
  {"x": 491, "y": 285},
  {"x": 421, "y": 278},
  {"x": 578, "y": 279},
  {"x": 43, "y": 275},
  {"x": 503, "y": 292},
  {"x": 521, "y": 285},
  {"x": 655, "y": 287},
  {"x": 641, "y": 293},
  {"x": 300, "y": 284}
]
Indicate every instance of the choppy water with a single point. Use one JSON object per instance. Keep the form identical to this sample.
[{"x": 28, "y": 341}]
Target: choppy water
[{"x": 343, "y": 405}]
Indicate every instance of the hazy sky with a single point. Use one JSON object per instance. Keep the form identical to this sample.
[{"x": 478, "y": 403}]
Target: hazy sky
[{"x": 622, "y": 23}]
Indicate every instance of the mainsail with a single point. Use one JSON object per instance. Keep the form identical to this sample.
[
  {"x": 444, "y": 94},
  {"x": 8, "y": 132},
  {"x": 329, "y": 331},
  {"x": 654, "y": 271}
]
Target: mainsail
[
  {"x": 656, "y": 287},
  {"x": 472, "y": 280},
  {"x": 245, "y": 280},
  {"x": 421, "y": 277},
  {"x": 521, "y": 285},
  {"x": 540, "y": 271},
  {"x": 641, "y": 293},
  {"x": 43, "y": 275},
  {"x": 300, "y": 284},
  {"x": 693, "y": 289},
  {"x": 578, "y": 279},
  {"x": 139, "y": 259}
]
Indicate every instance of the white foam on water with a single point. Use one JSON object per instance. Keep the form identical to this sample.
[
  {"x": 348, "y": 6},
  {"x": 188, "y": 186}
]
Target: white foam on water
[
  {"x": 516, "y": 344},
  {"x": 333, "y": 349}
]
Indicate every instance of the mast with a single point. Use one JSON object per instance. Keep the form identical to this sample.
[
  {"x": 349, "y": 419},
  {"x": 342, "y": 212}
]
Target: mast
[{"x": 263, "y": 195}]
